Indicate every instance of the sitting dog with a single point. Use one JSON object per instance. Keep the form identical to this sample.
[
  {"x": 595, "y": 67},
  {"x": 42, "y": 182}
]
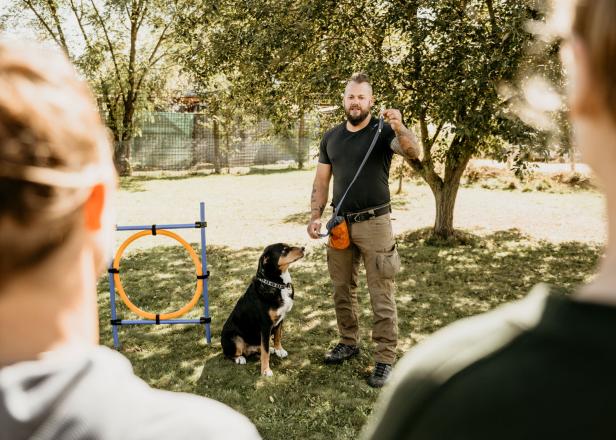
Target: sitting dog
[{"x": 259, "y": 313}]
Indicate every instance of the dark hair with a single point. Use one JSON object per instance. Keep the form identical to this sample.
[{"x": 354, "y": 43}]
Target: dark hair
[
  {"x": 594, "y": 25},
  {"x": 49, "y": 129}
]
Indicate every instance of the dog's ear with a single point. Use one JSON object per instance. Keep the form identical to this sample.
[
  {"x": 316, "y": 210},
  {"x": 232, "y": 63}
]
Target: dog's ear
[{"x": 262, "y": 261}]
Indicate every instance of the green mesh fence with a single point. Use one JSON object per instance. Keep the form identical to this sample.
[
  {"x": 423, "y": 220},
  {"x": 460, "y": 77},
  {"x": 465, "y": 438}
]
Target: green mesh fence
[{"x": 193, "y": 141}]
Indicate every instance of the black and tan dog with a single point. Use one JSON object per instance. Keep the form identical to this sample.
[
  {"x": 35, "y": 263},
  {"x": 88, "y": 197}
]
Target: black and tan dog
[{"x": 259, "y": 313}]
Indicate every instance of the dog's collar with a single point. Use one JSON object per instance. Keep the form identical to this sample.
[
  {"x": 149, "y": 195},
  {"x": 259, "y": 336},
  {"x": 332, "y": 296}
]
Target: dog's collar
[{"x": 273, "y": 284}]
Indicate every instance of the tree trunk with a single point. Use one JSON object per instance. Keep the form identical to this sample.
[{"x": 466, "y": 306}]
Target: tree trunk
[
  {"x": 445, "y": 190},
  {"x": 216, "y": 134},
  {"x": 227, "y": 148},
  {"x": 300, "y": 141},
  {"x": 122, "y": 157},
  {"x": 123, "y": 161},
  {"x": 445, "y": 199}
]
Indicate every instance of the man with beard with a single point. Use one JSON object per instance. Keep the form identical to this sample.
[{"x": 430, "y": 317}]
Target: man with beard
[{"x": 366, "y": 208}]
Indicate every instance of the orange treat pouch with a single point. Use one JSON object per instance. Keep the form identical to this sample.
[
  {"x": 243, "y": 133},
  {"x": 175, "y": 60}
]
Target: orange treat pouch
[{"x": 339, "y": 236}]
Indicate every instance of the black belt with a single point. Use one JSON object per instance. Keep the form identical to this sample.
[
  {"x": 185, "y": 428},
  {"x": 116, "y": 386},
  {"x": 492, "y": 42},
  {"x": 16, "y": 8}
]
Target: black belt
[{"x": 356, "y": 217}]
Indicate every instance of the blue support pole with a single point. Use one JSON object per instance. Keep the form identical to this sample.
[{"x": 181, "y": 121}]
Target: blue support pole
[
  {"x": 206, "y": 305},
  {"x": 114, "y": 327}
]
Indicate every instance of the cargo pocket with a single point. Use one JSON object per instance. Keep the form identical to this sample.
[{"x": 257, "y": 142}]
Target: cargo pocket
[{"x": 388, "y": 262}]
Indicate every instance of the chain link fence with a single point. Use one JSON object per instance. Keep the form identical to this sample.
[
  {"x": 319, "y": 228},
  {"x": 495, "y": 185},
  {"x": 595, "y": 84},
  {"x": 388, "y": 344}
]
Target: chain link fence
[{"x": 196, "y": 142}]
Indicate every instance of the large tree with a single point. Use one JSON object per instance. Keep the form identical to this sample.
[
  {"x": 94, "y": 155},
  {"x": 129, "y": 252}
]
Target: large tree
[
  {"x": 271, "y": 54},
  {"x": 454, "y": 57},
  {"x": 119, "y": 46},
  {"x": 440, "y": 61}
]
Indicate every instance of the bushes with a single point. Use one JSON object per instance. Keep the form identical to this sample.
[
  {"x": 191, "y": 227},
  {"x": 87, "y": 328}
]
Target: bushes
[{"x": 504, "y": 179}]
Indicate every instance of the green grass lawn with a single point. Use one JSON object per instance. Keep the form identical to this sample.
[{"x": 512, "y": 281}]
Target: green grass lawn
[{"x": 306, "y": 399}]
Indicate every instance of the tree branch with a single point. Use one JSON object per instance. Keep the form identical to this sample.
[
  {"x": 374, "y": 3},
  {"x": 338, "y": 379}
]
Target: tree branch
[
  {"x": 458, "y": 156},
  {"x": 112, "y": 122},
  {"x": 78, "y": 17},
  {"x": 425, "y": 137},
  {"x": 425, "y": 167},
  {"x": 110, "y": 46},
  {"x": 44, "y": 23},
  {"x": 438, "y": 131},
  {"x": 134, "y": 20},
  {"x": 53, "y": 8},
  {"x": 143, "y": 8},
  {"x": 151, "y": 60},
  {"x": 490, "y": 5}
]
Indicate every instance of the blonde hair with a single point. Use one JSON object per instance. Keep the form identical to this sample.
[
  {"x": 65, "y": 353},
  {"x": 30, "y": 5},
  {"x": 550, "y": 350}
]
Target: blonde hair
[
  {"x": 51, "y": 137},
  {"x": 594, "y": 26}
]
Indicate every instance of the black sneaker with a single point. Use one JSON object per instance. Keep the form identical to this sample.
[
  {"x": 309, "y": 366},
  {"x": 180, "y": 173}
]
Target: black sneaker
[
  {"x": 341, "y": 353},
  {"x": 379, "y": 375}
]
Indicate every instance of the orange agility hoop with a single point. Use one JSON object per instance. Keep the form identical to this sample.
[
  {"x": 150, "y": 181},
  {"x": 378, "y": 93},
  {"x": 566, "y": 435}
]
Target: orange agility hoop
[{"x": 124, "y": 296}]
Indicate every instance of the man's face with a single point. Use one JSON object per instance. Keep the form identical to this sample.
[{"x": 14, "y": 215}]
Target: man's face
[{"x": 357, "y": 102}]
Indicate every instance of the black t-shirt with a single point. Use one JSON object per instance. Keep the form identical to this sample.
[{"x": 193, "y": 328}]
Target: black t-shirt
[{"x": 344, "y": 151}]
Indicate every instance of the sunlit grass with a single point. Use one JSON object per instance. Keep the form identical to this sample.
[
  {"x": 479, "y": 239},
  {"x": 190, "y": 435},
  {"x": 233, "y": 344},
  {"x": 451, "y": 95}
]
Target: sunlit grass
[{"x": 306, "y": 399}]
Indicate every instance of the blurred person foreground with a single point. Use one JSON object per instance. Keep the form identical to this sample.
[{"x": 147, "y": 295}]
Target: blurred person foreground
[{"x": 57, "y": 183}]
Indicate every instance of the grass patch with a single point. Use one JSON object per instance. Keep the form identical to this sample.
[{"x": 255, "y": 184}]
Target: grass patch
[
  {"x": 137, "y": 182},
  {"x": 306, "y": 399},
  {"x": 504, "y": 179},
  {"x": 300, "y": 218}
]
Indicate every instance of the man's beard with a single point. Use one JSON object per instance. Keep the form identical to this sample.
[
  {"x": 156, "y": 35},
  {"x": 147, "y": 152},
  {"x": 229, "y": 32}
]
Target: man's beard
[{"x": 356, "y": 120}]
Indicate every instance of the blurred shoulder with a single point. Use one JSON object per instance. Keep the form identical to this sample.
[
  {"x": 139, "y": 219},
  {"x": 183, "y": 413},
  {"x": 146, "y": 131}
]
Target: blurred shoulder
[
  {"x": 427, "y": 366},
  {"x": 467, "y": 340},
  {"x": 146, "y": 412}
]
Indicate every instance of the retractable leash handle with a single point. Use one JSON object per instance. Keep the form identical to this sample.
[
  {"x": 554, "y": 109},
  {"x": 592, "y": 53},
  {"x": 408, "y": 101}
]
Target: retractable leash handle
[{"x": 335, "y": 219}]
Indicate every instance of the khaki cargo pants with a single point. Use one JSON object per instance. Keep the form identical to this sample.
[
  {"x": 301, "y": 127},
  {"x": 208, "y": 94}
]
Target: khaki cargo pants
[{"x": 373, "y": 242}]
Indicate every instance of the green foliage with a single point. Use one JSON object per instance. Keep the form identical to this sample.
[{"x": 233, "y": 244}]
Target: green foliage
[
  {"x": 306, "y": 399},
  {"x": 267, "y": 54},
  {"x": 542, "y": 63},
  {"x": 120, "y": 46},
  {"x": 440, "y": 62}
]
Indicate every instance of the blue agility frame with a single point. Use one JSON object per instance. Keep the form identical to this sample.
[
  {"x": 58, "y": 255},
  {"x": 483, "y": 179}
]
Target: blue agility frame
[{"x": 205, "y": 319}]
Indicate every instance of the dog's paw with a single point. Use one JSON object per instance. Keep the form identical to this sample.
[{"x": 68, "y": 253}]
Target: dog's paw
[
  {"x": 280, "y": 352},
  {"x": 267, "y": 373},
  {"x": 240, "y": 360}
]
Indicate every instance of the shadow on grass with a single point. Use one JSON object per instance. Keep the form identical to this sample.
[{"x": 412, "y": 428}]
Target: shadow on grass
[
  {"x": 305, "y": 399},
  {"x": 265, "y": 169},
  {"x": 301, "y": 218},
  {"x": 136, "y": 183}
]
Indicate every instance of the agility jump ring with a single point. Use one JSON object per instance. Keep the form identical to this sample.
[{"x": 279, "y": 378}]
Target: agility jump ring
[{"x": 129, "y": 303}]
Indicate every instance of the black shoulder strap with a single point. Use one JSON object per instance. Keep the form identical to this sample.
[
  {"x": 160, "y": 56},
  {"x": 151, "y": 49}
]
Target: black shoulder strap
[{"x": 374, "y": 139}]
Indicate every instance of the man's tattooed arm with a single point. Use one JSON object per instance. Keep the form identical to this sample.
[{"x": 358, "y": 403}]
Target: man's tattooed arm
[
  {"x": 318, "y": 198},
  {"x": 405, "y": 143},
  {"x": 317, "y": 204}
]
